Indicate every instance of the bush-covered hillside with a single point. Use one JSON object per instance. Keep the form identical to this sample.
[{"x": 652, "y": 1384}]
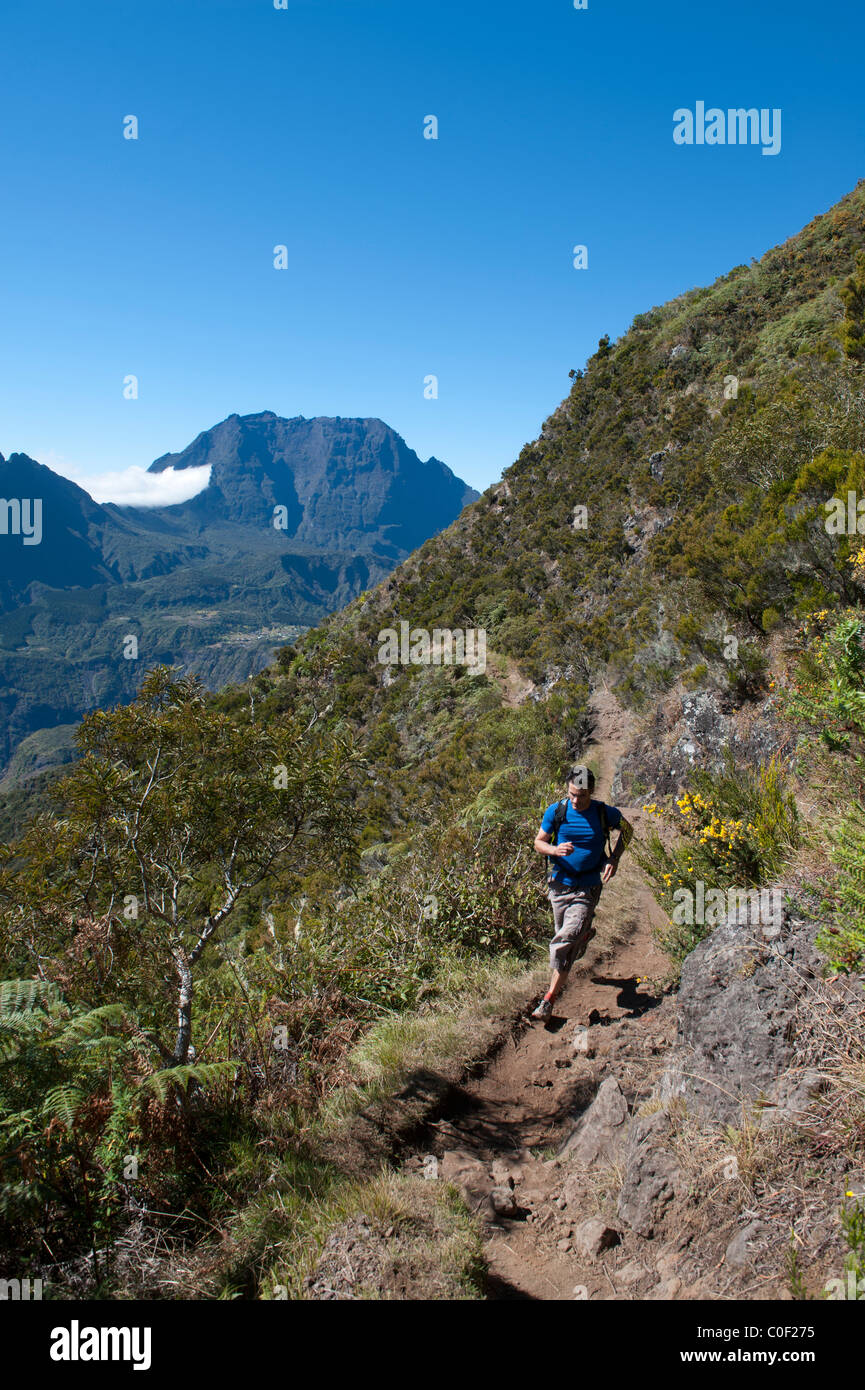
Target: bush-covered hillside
[
  {"x": 238, "y": 900},
  {"x": 703, "y": 446}
]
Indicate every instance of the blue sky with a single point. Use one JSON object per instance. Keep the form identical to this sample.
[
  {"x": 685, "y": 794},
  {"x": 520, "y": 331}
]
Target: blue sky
[{"x": 407, "y": 257}]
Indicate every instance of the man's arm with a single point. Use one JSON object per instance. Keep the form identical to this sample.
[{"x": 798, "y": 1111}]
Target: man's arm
[
  {"x": 544, "y": 844},
  {"x": 626, "y": 831}
]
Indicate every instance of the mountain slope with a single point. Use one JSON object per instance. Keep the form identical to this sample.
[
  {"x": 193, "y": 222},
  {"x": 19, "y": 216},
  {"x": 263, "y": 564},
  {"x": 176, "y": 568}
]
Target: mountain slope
[
  {"x": 663, "y": 537},
  {"x": 702, "y": 446},
  {"x": 63, "y": 549},
  {"x": 212, "y": 585}
]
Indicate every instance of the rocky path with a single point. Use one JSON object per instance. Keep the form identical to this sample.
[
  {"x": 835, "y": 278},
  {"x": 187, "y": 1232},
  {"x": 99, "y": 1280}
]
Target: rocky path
[{"x": 501, "y": 1138}]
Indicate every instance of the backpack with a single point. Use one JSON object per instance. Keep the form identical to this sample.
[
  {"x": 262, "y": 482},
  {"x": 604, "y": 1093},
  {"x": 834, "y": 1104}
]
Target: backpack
[{"x": 558, "y": 820}]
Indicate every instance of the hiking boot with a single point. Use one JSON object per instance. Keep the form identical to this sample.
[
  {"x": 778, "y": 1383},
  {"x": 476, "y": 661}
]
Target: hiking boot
[{"x": 544, "y": 1010}]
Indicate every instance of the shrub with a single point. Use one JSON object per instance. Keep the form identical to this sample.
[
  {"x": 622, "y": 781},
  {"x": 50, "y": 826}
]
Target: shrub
[{"x": 735, "y": 829}]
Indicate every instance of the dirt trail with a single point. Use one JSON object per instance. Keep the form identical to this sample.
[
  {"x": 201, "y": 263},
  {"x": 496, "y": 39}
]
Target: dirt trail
[{"x": 506, "y": 1126}]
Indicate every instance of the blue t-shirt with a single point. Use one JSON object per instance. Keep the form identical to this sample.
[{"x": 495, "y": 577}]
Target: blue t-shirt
[{"x": 581, "y": 868}]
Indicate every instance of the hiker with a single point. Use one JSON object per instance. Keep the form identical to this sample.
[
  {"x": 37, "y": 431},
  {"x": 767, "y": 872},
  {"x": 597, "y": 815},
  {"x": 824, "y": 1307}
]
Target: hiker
[{"x": 575, "y": 835}]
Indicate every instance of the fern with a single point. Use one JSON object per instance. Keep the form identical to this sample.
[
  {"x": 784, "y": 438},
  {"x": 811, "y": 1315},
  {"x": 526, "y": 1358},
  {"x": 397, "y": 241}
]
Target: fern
[
  {"x": 20, "y": 996},
  {"x": 63, "y": 1103},
  {"x": 201, "y": 1074},
  {"x": 89, "y": 1027}
]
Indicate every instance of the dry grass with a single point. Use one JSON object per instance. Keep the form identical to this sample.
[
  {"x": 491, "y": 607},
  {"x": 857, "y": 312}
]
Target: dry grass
[
  {"x": 422, "y": 1244},
  {"x": 602, "y": 1183},
  {"x": 460, "y": 1029}
]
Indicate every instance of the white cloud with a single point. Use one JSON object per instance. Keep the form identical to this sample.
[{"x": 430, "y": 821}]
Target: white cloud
[{"x": 135, "y": 487}]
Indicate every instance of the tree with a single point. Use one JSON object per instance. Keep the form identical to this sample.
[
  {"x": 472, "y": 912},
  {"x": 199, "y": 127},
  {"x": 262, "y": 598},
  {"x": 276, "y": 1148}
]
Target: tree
[{"x": 174, "y": 816}]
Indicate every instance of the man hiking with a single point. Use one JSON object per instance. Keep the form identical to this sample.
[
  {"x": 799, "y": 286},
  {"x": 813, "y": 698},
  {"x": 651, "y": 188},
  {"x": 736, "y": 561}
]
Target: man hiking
[{"x": 574, "y": 833}]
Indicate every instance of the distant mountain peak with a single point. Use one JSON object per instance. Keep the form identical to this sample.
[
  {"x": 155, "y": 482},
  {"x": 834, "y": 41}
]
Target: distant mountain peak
[
  {"x": 212, "y": 584},
  {"x": 343, "y": 479}
]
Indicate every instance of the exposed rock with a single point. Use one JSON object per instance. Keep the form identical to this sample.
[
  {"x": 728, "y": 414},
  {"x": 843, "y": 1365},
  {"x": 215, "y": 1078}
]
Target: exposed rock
[
  {"x": 503, "y": 1202},
  {"x": 630, "y": 1274},
  {"x": 790, "y": 1095},
  {"x": 668, "y": 1288},
  {"x": 574, "y": 1190},
  {"x": 594, "y": 1236},
  {"x": 456, "y": 1165},
  {"x": 694, "y": 726},
  {"x": 738, "y": 996},
  {"x": 469, "y": 1175},
  {"x": 738, "y": 1254},
  {"x": 602, "y": 1130},
  {"x": 651, "y": 1175}
]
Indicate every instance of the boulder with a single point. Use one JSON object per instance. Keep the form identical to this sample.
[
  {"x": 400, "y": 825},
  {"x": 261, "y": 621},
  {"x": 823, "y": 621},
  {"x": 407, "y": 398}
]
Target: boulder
[
  {"x": 467, "y": 1173},
  {"x": 651, "y": 1174},
  {"x": 503, "y": 1175},
  {"x": 503, "y": 1202},
  {"x": 594, "y": 1236},
  {"x": 458, "y": 1166},
  {"x": 630, "y": 1274},
  {"x": 602, "y": 1130},
  {"x": 738, "y": 998},
  {"x": 790, "y": 1095}
]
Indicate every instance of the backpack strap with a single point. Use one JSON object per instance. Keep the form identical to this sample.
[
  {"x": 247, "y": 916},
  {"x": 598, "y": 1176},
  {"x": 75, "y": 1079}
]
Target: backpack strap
[
  {"x": 558, "y": 819},
  {"x": 605, "y": 826}
]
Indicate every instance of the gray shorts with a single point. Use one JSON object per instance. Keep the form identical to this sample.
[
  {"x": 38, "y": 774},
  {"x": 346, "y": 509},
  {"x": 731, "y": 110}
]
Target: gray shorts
[{"x": 573, "y": 910}]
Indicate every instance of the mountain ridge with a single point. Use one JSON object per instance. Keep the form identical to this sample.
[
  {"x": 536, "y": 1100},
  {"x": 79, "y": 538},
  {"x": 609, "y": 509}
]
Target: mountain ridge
[
  {"x": 651, "y": 569},
  {"x": 213, "y": 583}
]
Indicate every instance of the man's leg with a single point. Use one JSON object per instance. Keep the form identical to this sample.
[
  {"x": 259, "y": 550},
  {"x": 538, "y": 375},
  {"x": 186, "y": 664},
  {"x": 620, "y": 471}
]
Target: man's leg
[
  {"x": 545, "y": 1008},
  {"x": 556, "y": 985},
  {"x": 561, "y": 949},
  {"x": 572, "y": 917}
]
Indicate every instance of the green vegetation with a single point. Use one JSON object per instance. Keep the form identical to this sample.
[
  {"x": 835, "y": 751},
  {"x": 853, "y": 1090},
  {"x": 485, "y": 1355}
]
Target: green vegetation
[
  {"x": 321, "y": 939},
  {"x": 201, "y": 980},
  {"x": 734, "y": 829},
  {"x": 853, "y": 1229},
  {"x": 827, "y": 694}
]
